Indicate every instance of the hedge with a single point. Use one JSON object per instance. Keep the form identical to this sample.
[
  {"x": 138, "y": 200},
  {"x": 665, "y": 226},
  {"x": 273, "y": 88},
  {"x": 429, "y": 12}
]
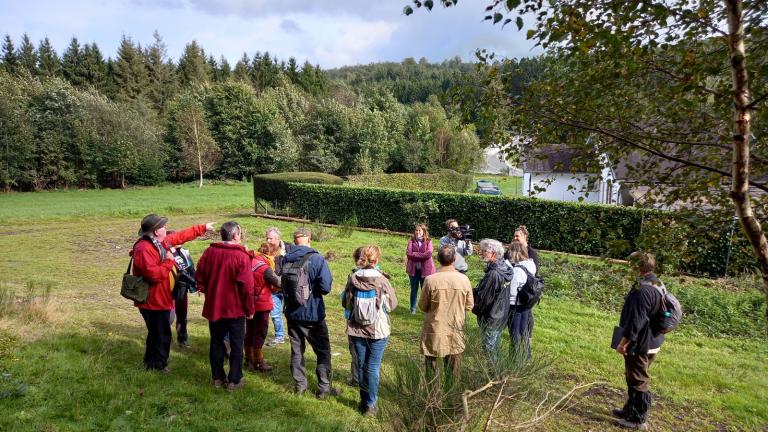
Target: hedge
[
  {"x": 697, "y": 246},
  {"x": 273, "y": 187},
  {"x": 446, "y": 180}
]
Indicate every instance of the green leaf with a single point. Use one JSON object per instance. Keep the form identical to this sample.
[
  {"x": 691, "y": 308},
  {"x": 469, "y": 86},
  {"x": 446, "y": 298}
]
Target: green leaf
[
  {"x": 407, "y": 10},
  {"x": 497, "y": 17},
  {"x": 530, "y": 34},
  {"x": 429, "y": 4},
  {"x": 511, "y": 4},
  {"x": 519, "y": 23}
]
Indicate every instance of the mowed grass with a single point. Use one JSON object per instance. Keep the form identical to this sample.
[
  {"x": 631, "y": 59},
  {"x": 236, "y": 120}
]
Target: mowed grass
[
  {"x": 134, "y": 201},
  {"x": 509, "y": 185},
  {"x": 78, "y": 365}
]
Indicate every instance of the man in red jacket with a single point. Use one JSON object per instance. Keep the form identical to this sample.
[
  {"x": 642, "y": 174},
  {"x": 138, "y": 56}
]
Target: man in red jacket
[
  {"x": 153, "y": 260},
  {"x": 224, "y": 275}
]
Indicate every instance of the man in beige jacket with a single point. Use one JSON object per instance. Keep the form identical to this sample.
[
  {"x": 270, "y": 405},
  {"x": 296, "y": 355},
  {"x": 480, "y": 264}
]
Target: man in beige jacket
[{"x": 445, "y": 299}]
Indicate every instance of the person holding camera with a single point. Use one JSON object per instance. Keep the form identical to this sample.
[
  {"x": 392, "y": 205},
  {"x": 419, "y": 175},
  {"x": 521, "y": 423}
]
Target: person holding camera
[{"x": 456, "y": 237}]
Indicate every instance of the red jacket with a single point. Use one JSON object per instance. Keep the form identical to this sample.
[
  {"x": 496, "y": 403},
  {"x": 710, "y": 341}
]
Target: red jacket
[
  {"x": 148, "y": 264},
  {"x": 224, "y": 275},
  {"x": 262, "y": 290}
]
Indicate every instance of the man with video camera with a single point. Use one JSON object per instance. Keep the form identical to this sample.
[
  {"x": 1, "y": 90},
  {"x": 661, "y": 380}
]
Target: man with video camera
[{"x": 460, "y": 238}]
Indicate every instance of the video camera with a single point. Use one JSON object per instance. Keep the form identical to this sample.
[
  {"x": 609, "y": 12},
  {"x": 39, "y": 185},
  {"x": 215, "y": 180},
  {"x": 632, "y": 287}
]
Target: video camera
[{"x": 466, "y": 231}]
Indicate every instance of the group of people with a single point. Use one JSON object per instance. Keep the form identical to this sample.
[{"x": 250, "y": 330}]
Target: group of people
[{"x": 243, "y": 288}]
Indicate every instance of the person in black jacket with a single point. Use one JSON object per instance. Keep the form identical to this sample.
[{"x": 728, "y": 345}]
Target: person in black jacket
[
  {"x": 491, "y": 297},
  {"x": 639, "y": 343}
]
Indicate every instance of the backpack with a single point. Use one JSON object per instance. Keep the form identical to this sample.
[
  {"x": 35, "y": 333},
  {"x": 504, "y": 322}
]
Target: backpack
[
  {"x": 185, "y": 277},
  {"x": 364, "y": 308},
  {"x": 295, "y": 280},
  {"x": 670, "y": 312},
  {"x": 529, "y": 294}
]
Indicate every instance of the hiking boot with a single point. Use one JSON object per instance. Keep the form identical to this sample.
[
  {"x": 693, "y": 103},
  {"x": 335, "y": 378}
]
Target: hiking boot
[
  {"x": 323, "y": 395},
  {"x": 620, "y": 413},
  {"x": 351, "y": 381},
  {"x": 632, "y": 424},
  {"x": 217, "y": 383},
  {"x": 371, "y": 411},
  {"x": 259, "y": 364},
  {"x": 238, "y": 386},
  {"x": 274, "y": 342}
]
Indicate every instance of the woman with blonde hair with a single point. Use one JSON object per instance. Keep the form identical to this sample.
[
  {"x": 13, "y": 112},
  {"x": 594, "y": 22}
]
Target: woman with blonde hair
[
  {"x": 369, "y": 298},
  {"x": 419, "y": 262}
]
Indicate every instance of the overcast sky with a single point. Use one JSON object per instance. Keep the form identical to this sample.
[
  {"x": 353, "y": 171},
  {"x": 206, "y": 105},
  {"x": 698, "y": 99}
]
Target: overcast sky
[{"x": 330, "y": 33}]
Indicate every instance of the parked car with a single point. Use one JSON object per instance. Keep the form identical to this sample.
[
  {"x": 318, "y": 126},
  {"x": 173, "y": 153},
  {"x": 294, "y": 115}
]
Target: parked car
[{"x": 486, "y": 187}]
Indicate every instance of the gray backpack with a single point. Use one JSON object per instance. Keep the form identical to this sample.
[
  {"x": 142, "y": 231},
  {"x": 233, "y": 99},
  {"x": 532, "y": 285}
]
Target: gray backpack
[
  {"x": 670, "y": 312},
  {"x": 295, "y": 281}
]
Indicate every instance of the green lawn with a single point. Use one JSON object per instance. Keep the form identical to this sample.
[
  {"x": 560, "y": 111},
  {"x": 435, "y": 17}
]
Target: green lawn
[
  {"x": 75, "y": 363},
  {"x": 509, "y": 186}
]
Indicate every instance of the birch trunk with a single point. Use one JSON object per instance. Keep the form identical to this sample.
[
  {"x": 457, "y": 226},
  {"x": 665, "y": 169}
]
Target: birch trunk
[{"x": 741, "y": 130}]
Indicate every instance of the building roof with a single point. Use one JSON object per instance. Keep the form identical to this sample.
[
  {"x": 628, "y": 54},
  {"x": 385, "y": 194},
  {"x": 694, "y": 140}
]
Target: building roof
[{"x": 560, "y": 158}]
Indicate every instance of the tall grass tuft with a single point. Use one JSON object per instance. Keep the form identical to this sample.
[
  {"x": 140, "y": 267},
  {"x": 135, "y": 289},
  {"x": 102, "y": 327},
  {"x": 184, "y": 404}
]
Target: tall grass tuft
[
  {"x": 420, "y": 400},
  {"x": 31, "y": 305}
]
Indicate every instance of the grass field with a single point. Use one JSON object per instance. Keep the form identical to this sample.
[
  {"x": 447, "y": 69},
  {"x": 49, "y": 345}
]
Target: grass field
[
  {"x": 73, "y": 362},
  {"x": 509, "y": 186}
]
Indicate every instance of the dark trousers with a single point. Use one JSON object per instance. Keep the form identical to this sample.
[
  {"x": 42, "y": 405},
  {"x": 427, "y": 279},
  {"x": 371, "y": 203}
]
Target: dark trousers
[
  {"x": 158, "y": 345},
  {"x": 316, "y": 333},
  {"x": 180, "y": 316},
  {"x": 256, "y": 330},
  {"x": 416, "y": 281},
  {"x": 235, "y": 327},
  {"x": 451, "y": 363},
  {"x": 520, "y": 326},
  {"x": 354, "y": 370},
  {"x": 638, "y": 380}
]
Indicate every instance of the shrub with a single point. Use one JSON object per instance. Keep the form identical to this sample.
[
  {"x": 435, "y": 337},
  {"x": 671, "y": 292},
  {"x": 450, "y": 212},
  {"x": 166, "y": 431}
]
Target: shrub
[
  {"x": 272, "y": 187},
  {"x": 589, "y": 229},
  {"x": 446, "y": 181}
]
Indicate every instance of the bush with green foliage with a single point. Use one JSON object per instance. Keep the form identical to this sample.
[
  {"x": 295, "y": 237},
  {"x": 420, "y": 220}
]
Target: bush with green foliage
[
  {"x": 447, "y": 181},
  {"x": 589, "y": 229},
  {"x": 273, "y": 187}
]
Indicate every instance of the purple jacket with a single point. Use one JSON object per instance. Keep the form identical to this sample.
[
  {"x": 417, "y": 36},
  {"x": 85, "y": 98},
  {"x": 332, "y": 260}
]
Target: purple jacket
[{"x": 422, "y": 254}]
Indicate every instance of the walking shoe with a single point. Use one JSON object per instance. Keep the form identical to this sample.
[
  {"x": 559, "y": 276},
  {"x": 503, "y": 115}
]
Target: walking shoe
[
  {"x": 274, "y": 342},
  {"x": 371, "y": 411},
  {"x": 620, "y": 413},
  {"x": 322, "y": 395},
  {"x": 232, "y": 386},
  {"x": 631, "y": 424},
  {"x": 413, "y": 311},
  {"x": 351, "y": 381},
  {"x": 217, "y": 383},
  {"x": 184, "y": 345}
]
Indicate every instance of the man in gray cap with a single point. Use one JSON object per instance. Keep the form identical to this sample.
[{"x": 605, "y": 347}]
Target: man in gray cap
[{"x": 153, "y": 260}]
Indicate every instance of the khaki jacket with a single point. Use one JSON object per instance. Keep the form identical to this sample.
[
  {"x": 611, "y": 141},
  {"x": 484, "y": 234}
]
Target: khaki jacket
[{"x": 445, "y": 298}]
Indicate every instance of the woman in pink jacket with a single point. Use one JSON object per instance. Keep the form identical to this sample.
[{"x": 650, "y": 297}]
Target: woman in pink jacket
[{"x": 419, "y": 261}]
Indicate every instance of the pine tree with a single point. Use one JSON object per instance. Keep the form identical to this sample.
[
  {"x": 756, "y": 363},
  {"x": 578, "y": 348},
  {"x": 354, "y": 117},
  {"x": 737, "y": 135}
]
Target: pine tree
[
  {"x": 26, "y": 55},
  {"x": 10, "y": 60},
  {"x": 161, "y": 74},
  {"x": 94, "y": 68},
  {"x": 225, "y": 70},
  {"x": 49, "y": 64},
  {"x": 193, "y": 68},
  {"x": 242, "y": 69},
  {"x": 292, "y": 70},
  {"x": 72, "y": 64},
  {"x": 129, "y": 72}
]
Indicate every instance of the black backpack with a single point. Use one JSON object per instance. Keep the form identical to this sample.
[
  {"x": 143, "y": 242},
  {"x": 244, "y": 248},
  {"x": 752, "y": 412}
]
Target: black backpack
[
  {"x": 529, "y": 294},
  {"x": 295, "y": 282},
  {"x": 185, "y": 277}
]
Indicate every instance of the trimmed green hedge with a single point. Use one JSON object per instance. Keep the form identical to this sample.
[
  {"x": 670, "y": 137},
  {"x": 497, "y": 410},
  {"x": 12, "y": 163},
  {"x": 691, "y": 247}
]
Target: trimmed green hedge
[
  {"x": 697, "y": 246},
  {"x": 446, "y": 180},
  {"x": 273, "y": 187}
]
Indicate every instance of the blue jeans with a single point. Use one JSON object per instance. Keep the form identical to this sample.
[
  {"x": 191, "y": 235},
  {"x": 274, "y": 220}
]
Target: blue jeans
[
  {"x": 277, "y": 315},
  {"x": 520, "y": 327},
  {"x": 416, "y": 282},
  {"x": 369, "y": 355}
]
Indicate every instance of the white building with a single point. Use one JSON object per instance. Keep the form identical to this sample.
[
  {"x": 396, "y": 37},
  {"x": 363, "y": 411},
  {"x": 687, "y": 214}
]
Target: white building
[{"x": 550, "y": 173}]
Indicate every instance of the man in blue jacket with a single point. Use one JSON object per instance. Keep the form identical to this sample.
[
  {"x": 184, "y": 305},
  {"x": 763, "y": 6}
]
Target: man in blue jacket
[{"x": 306, "y": 316}]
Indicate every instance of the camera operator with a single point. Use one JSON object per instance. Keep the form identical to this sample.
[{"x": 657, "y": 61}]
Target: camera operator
[{"x": 456, "y": 238}]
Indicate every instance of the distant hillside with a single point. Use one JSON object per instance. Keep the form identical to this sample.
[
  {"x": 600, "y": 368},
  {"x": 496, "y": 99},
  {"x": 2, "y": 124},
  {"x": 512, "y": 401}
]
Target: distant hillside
[{"x": 409, "y": 81}]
